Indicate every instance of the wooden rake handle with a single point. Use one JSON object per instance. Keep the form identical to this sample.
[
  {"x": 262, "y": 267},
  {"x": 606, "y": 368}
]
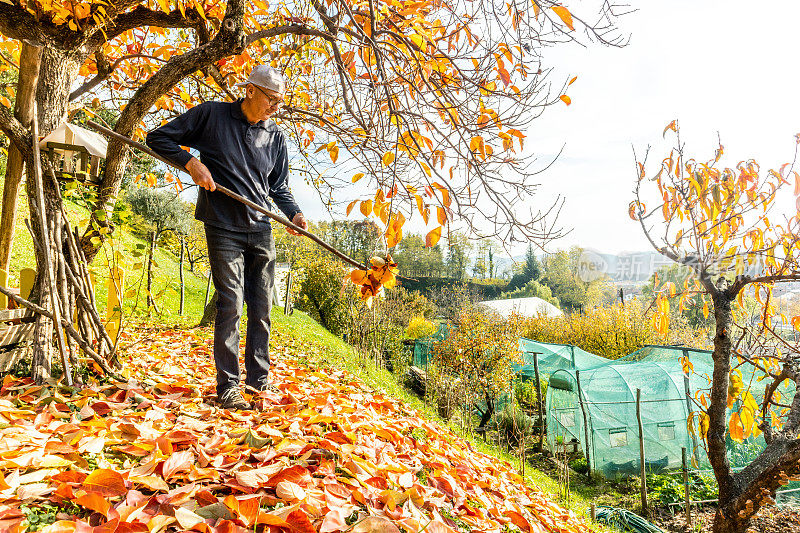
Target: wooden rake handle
[{"x": 139, "y": 146}]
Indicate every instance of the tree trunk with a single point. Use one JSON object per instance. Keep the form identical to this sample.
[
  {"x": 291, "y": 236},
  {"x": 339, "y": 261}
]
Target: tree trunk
[
  {"x": 487, "y": 416},
  {"x": 210, "y": 312},
  {"x": 180, "y": 275},
  {"x": 732, "y": 524},
  {"x": 30, "y": 58},
  {"x": 151, "y": 302}
]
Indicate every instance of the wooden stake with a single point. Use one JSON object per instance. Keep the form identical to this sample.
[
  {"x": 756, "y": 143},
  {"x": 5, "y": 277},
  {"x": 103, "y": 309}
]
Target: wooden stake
[
  {"x": 37, "y": 176},
  {"x": 688, "y": 508},
  {"x": 585, "y": 423},
  {"x": 539, "y": 401},
  {"x": 641, "y": 451}
]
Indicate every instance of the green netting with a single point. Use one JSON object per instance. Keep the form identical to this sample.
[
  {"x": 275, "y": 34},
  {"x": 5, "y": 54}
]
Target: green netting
[
  {"x": 609, "y": 403},
  {"x": 553, "y": 357},
  {"x": 423, "y": 351}
]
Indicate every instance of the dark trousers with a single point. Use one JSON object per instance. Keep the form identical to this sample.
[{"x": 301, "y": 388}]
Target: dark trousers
[{"x": 243, "y": 271}]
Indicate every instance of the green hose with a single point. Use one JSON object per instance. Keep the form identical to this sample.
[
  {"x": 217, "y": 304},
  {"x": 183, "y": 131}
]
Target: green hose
[{"x": 625, "y": 520}]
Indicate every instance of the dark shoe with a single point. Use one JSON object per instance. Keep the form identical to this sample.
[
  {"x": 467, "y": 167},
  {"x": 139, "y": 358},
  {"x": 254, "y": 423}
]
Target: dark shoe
[
  {"x": 233, "y": 399},
  {"x": 268, "y": 387}
]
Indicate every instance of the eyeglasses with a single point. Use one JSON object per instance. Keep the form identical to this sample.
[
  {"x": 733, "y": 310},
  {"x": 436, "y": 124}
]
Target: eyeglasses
[{"x": 273, "y": 101}]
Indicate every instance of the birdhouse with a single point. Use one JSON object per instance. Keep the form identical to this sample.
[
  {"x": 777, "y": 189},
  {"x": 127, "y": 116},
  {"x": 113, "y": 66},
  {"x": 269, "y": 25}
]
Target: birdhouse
[{"x": 75, "y": 153}]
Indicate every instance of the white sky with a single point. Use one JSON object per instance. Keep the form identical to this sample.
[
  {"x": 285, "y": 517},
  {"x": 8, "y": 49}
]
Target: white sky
[{"x": 716, "y": 66}]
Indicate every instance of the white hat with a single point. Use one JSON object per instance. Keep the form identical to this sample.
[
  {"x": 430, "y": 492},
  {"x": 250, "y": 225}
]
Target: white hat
[{"x": 267, "y": 77}]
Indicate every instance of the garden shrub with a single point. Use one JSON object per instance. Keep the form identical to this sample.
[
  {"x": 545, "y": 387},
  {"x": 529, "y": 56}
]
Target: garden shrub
[
  {"x": 613, "y": 331},
  {"x": 419, "y": 327}
]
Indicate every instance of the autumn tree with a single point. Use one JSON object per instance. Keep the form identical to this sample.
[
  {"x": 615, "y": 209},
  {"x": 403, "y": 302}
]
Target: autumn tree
[
  {"x": 480, "y": 352},
  {"x": 427, "y": 102},
  {"x": 736, "y": 230}
]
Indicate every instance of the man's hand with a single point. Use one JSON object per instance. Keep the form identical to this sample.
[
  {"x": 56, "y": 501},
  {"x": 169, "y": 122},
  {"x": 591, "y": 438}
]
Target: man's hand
[
  {"x": 200, "y": 174},
  {"x": 298, "y": 220}
]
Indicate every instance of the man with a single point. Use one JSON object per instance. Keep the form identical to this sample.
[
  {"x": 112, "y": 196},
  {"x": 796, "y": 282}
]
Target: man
[{"x": 244, "y": 151}]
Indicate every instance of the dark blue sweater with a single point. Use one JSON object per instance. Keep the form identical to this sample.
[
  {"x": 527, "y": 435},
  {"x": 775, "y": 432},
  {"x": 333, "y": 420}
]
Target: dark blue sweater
[{"x": 249, "y": 159}]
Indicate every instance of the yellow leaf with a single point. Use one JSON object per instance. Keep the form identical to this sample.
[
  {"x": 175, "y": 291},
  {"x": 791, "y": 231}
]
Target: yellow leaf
[
  {"x": 334, "y": 153},
  {"x": 564, "y": 14},
  {"x": 358, "y": 176},
  {"x": 705, "y": 309},
  {"x": 433, "y": 236},
  {"x": 366, "y": 207},
  {"x": 388, "y": 158},
  {"x": 164, "y": 5}
]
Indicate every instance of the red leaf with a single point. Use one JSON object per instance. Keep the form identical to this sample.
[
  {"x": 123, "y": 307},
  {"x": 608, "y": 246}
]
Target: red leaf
[
  {"x": 299, "y": 522},
  {"x": 105, "y": 482},
  {"x": 296, "y": 474}
]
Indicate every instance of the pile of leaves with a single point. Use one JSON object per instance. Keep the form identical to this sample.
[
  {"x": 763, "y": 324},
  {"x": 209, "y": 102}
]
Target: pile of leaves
[{"x": 324, "y": 454}]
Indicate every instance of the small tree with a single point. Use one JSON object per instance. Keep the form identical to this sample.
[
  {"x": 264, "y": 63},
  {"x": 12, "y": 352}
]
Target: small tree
[
  {"x": 480, "y": 351},
  {"x": 723, "y": 224},
  {"x": 161, "y": 211}
]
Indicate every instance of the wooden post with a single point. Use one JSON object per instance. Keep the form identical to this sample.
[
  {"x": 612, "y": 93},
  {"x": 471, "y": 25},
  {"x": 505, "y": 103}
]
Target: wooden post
[
  {"x": 3, "y": 283},
  {"x": 641, "y": 450},
  {"x": 116, "y": 284},
  {"x": 689, "y": 410},
  {"x": 180, "y": 276},
  {"x": 585, "y": 423},
  {"x": 539, "y": 400},
  {"x": 287, "y": 299},
  {"x": 48, "y": 265},
  {"x": 27, "y": 277},
  {"x": 686, "y": 488},
  {"x": 593, "y": 512}
]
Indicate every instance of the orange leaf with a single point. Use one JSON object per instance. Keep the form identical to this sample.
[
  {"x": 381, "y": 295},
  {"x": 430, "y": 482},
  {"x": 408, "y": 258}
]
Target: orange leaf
[
  {"x": 433, "y": 236},
  {"x": 105, "y": 482},
  {"x": 95, "y": 502},
  {"x": 735, "y": 428},
  {"x": 286, "y": 490},
  {"x": 177, "y": 462},
  {"x": 441, "y": 215},
  {"x": 796, "y": 322},
  {"x": 350, "y": 207},
  {"x": 358, "y": 276},
  {"x": 564, "y": 14},
  {"x": 299, "y": 522},
  {"x": 572, "y": 81},
  {"x": 366, "y": 207},
  {"x": 334, "y": 153},
  {"x": 671, "y": 126},
  {"x": 296, "y": 474},
  {"x": 566, "y": 99},
  {"x": 358, "y": 176}
]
